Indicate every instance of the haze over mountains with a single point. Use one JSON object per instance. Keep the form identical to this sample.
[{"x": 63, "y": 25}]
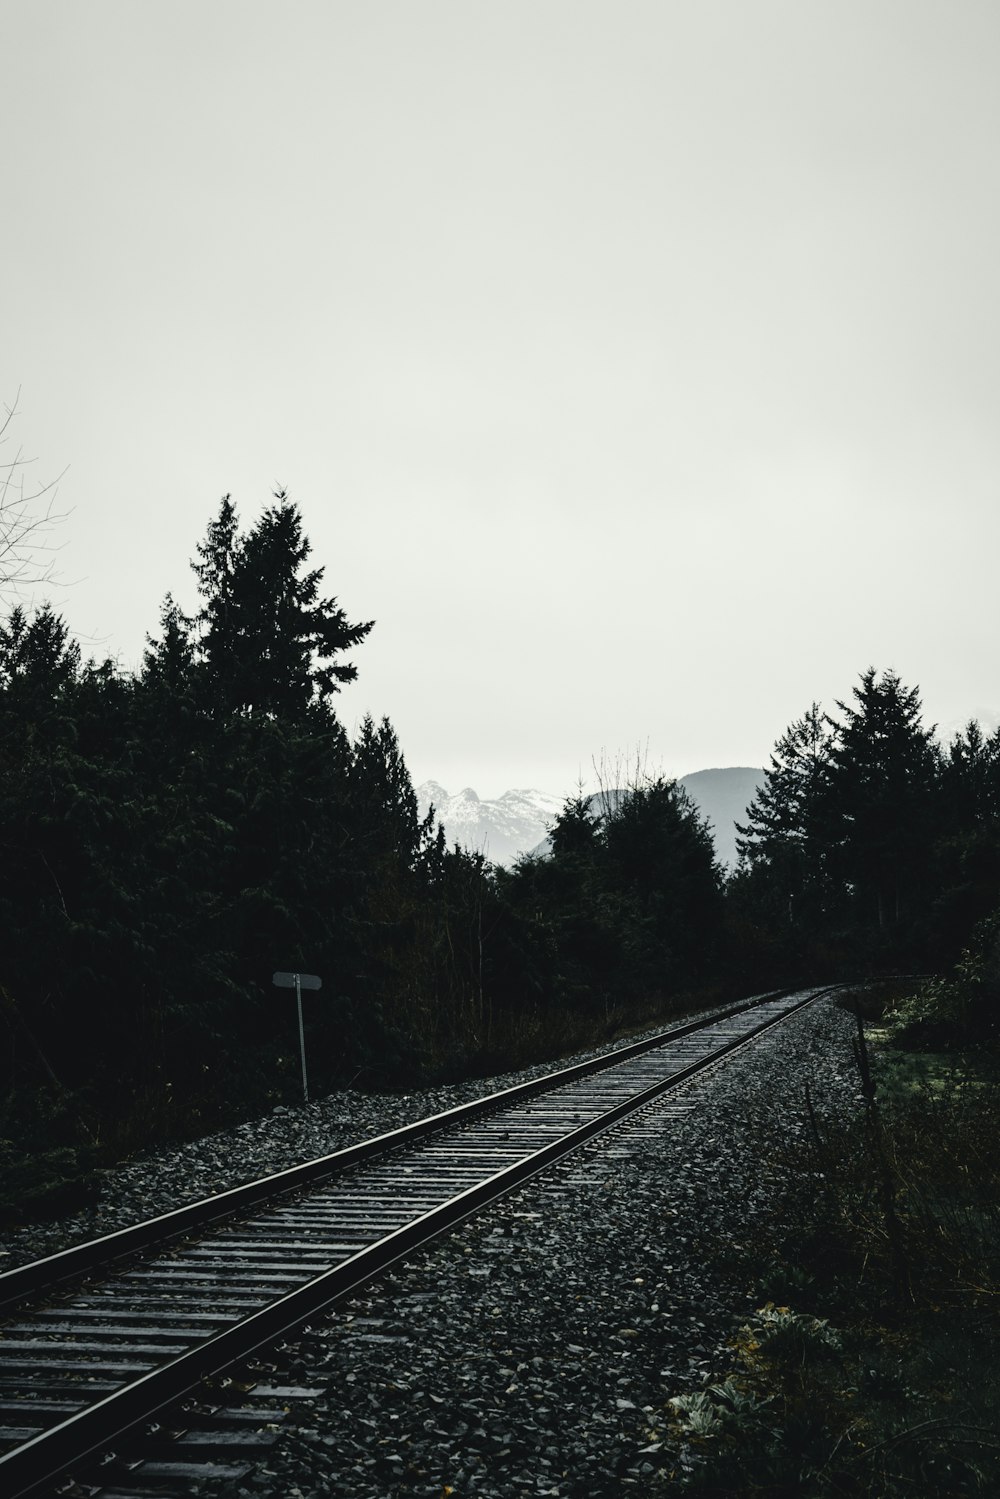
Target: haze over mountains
[{"x": 518, "y": 822}]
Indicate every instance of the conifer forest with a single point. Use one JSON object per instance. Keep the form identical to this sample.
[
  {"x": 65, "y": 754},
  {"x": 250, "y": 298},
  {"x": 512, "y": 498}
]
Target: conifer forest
[{"x": 170, "y": 837}]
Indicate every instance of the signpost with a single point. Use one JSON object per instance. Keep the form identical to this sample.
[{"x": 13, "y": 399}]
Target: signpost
[{"x": 298, "y": 982}]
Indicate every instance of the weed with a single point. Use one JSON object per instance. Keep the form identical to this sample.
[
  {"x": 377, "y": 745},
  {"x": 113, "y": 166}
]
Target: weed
[{"x": 851, "y": 1389}]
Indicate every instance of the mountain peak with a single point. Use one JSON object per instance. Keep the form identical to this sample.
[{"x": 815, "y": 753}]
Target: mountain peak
[
  {"x": 502, "y": 827},
  {"x": 518, "y": 822}
]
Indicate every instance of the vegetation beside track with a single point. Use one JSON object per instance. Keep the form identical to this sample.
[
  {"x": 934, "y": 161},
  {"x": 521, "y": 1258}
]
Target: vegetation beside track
[
  {"x": 865, "y": 1362},
  {"x": 172, "y": 835},
  {"x": 54, "y": 1164}
]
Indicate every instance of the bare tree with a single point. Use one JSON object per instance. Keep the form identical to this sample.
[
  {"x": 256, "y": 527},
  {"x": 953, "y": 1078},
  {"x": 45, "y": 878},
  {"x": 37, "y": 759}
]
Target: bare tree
[
  {"x": 619, "y": 776},
  {"x": 27, "y": 518}
]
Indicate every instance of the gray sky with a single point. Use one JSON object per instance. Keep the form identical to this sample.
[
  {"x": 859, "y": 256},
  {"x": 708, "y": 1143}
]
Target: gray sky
[{"x": 635, "y": 365}]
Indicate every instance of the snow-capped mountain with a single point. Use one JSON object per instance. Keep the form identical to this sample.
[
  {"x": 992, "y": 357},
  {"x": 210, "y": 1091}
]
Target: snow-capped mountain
[
  {"x": 501, "y": 829},
  {"x": 518, "y": 822}
]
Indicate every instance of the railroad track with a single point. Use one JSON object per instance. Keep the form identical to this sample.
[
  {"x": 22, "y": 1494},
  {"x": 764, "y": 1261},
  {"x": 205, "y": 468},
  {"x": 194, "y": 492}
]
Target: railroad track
[{"x": 101, "y": 1338}]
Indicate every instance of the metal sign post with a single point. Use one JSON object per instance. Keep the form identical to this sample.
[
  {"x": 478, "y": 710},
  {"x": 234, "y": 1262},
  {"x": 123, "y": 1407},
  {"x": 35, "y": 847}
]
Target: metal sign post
[{"x": 298, "y": 982}]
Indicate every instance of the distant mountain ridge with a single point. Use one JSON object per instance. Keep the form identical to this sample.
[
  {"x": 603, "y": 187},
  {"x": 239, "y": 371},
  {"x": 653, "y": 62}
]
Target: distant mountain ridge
[
  {"x": 501, "y": 828},
  {"x": 722, "y": 796},
  {"x": 518, "y": 822}
]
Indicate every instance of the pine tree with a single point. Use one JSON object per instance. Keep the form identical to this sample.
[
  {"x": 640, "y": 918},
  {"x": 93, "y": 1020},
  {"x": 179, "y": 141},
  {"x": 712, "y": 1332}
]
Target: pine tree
[
  {"x": 575, "y": 828},
  {"x": 383, "y": 796},
  {"x": 660, "y": 867},
  {"x": 168, "y": 662},
  {"x": 967, "y": 856},
  {"x": 785, "y": 837},
  {"x": 971, "y": 777},
  {"x": 883, "y": 797},
  {"x": 269, "y": 640},
  {"x": 37, "y": 658},
  {"x": 627, "y": 908}
]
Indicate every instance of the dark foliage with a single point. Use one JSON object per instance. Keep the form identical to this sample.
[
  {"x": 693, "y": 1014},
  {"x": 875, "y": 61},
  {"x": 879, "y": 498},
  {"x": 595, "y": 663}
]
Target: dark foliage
[
  {"x": 170, "y": 838},
  {"x": 868, "y": 849},
  {"x": 627, "y": 910}
]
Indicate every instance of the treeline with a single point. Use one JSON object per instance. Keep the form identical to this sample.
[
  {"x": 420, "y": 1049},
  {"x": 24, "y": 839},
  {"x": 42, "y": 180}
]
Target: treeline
[
  {"x": 170, "y": 837},
  {"x": 870, "y": 846}
]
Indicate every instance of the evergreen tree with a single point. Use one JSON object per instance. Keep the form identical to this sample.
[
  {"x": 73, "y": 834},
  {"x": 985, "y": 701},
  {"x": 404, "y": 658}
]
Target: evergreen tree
[
  {"x": 575, "y": 829},
  {"x": 660, "y": 859},
  {"x": 971, "y": 778},
  {"x": 38, "y": 660},
  {"x": 882, "y": 797},
  {"x": 627, "y": 908},
  {"x": 785, "y": 839},
  {"x": 967, "y": 857},
  {"x": 571, "y": 928},
  {"x": 168, "y": 662},
  {"x": 218, "y": 617},
  {"x": 383, "y": 796},
  {"x": 269, "y": 640}
]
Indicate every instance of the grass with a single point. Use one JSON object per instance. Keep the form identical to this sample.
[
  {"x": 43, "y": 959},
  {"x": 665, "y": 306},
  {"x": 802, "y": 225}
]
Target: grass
[{"x": 868, "y": 1367}]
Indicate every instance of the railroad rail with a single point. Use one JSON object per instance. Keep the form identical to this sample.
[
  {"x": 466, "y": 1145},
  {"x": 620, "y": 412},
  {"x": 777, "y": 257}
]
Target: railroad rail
[{"x": 103, "y": 1336}]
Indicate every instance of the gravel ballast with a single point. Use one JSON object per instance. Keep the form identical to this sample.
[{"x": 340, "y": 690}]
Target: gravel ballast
[
  {"x": 533, "y": 1351},
  {"x": 168, "y": 1177}
]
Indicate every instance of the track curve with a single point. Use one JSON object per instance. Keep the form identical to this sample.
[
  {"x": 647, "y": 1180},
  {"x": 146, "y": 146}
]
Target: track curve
[{"x": 185, "y": 1296}]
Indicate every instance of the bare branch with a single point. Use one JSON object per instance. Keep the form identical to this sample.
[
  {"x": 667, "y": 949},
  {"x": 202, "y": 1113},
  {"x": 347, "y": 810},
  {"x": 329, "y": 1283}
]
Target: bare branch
[{"x": 28, "y": 515}]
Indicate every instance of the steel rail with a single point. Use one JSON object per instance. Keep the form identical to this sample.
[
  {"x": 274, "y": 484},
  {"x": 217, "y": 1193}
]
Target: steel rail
[
  {"x": 39, "y": 1276},
  {"x": 53, "y": 1453}
]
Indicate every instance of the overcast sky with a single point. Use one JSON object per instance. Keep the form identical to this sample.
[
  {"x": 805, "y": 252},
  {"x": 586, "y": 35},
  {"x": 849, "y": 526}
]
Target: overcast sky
[{"x": 635, "y": 363}]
